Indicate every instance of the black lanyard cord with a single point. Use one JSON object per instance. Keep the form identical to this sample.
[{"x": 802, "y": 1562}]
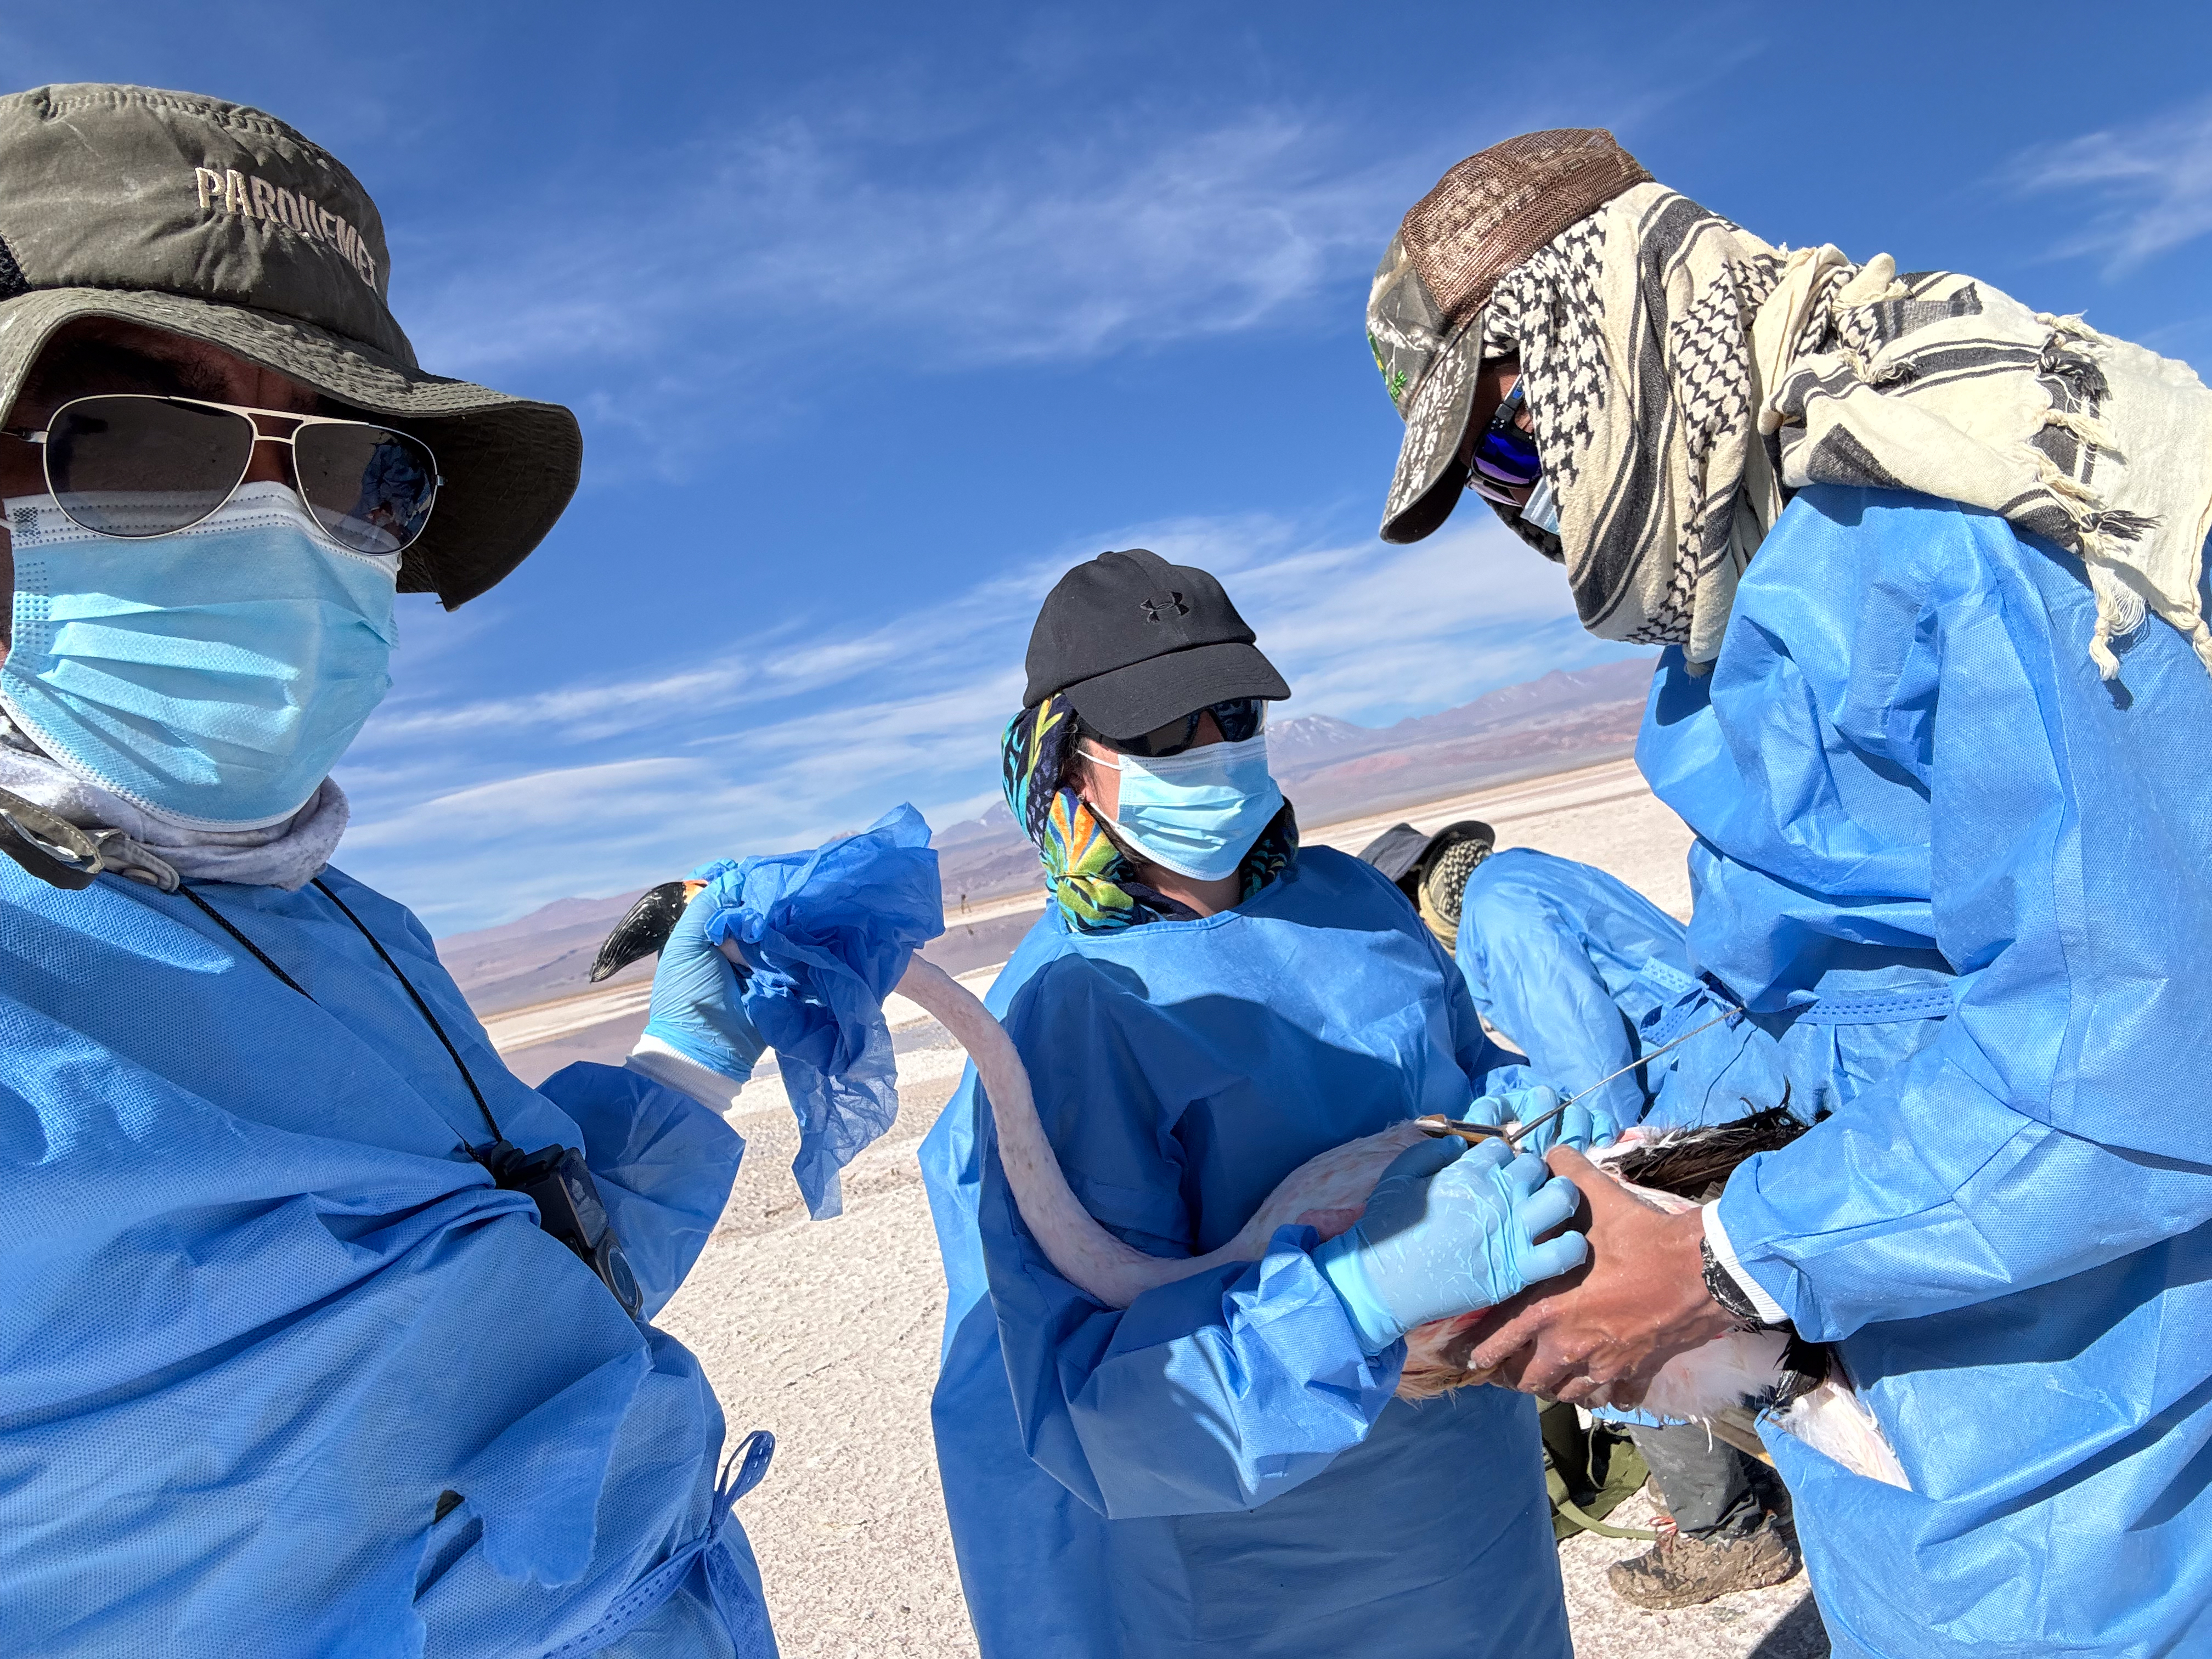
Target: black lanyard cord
[
  {"x": 376, "y": 945},
  {"x": 557, "y": 1180},
  {"x": 259, "y": 955}
]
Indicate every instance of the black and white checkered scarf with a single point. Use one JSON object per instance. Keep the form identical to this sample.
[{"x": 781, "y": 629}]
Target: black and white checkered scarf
[{"x": 1685, "y": 377}]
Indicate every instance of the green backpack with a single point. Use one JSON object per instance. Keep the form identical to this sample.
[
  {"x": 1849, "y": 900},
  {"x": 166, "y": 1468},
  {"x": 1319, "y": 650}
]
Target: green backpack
[{"x": 1589, "y": 1472}]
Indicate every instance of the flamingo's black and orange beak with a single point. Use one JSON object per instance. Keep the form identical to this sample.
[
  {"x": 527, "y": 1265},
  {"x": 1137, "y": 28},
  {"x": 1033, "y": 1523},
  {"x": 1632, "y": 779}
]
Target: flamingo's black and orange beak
[{"x": 645, "y": 928}]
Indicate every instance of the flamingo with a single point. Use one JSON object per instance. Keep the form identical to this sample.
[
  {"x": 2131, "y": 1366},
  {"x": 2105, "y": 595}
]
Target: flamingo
[
  {"x": 1709, "y": 1384},
  {"x": 1329, "y": 1193}
]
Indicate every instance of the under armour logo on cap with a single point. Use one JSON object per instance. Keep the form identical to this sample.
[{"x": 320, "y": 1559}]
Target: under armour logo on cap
[{"x": 1134, "y": 641}]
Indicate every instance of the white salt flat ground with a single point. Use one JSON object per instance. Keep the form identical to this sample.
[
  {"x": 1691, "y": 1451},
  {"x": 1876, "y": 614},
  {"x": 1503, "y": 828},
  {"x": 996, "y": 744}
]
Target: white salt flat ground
[{"x": 826, "y": 1333}]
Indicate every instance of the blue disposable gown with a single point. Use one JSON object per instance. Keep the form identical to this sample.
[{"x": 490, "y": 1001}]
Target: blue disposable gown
[
  {"x": 1573, "y": 965},
  {"x": 1588, "y": 975},
  {"x": 1219, "y": 1469},
  {"x": 1933, "y": 846},
  {"x": 257, "y": 1312}
]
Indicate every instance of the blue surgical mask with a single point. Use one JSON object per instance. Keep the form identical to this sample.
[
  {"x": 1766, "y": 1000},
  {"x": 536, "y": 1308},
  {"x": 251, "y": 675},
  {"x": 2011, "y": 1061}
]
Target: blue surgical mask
[
  {"x": 1197, "y": 812},
  {"x": 210, "y": 676}
]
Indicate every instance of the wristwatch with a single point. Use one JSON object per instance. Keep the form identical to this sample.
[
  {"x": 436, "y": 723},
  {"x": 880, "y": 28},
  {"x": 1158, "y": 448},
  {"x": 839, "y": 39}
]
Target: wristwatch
[{"x": 1721, "y": 1284}]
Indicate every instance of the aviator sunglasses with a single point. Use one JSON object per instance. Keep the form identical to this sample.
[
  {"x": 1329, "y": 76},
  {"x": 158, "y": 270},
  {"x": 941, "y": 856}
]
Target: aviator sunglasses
[
  {"x": 134, "y": 465},
  {"x": 1505, "y": 456},
  {"x": 1238, "y": 718}
]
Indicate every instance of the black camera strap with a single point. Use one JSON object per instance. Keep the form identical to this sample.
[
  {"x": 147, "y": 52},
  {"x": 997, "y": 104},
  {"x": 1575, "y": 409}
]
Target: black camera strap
[
  {"x": 383, "y": 956},
  {"x": 557, "y": 1178}
]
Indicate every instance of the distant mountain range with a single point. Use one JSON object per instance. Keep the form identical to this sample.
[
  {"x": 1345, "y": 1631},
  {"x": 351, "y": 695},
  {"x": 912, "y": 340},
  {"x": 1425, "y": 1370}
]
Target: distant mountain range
[
  {"x": 537, "y": 958},
  {"x": 1330, "y": 769},
  {"x": 1334, "y": 770}
]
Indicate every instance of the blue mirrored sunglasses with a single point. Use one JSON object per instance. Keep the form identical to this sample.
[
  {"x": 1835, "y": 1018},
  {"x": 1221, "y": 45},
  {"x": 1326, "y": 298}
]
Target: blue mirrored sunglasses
[{"x": 1505, "y": 456}]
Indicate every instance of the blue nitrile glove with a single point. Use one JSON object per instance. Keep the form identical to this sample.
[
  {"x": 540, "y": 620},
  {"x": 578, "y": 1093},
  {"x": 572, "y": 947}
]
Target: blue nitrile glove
[
  {"x": 1585, "y": 1124},
  {"x": 695, "y": 1008},
  {"x": 1450, "y": 1229}
]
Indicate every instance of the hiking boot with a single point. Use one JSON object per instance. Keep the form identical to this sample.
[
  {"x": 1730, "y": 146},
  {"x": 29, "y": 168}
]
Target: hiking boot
[
  {"x": 1443, "y": 883},
  {"x": 1682, "y": 1571}
]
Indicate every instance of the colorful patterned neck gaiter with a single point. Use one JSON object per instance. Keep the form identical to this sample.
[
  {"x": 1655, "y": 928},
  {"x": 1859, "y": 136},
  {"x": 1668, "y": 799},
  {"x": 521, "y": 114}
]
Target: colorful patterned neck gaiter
[{"x": 1096, "y": 886}]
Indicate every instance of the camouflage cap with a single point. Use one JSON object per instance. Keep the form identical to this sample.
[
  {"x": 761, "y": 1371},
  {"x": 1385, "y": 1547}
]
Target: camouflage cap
[
  {"x": 213, "y": 221},
  {"x": 1424, "y": 310}
]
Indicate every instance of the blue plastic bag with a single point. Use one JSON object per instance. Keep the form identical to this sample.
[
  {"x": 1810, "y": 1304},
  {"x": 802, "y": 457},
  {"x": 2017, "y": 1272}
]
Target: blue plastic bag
[{"x": 828, "y": 933}]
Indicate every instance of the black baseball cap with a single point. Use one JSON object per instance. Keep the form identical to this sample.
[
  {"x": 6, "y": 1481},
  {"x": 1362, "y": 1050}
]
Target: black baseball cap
[
  {"x": 1134, "y": 641},
  {"x": 215, "y": 222}
]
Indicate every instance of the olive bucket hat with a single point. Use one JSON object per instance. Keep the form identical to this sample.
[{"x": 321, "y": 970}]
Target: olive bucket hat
[
  {"x": 1424, "y": 310},
  {"x": 215, "y": 222}
]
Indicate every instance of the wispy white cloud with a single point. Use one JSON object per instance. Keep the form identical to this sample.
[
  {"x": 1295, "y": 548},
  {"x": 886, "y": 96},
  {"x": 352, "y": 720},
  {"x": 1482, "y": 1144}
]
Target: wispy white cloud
[
  {"x": 772, "y": 253},
  {"x": 783, "y": 741},
  {"x": 492, "y": 850},
  {"x": 2151, "y": 182},
  {"x": 737, "y": 277}
]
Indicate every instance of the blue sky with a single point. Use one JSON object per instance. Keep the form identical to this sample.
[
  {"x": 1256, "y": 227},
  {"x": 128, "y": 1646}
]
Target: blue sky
[{"x": 879, "y": 317}]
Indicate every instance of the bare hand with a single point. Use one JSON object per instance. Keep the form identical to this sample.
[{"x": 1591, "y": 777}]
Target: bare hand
[{"x": 1642, "y": 1300}]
